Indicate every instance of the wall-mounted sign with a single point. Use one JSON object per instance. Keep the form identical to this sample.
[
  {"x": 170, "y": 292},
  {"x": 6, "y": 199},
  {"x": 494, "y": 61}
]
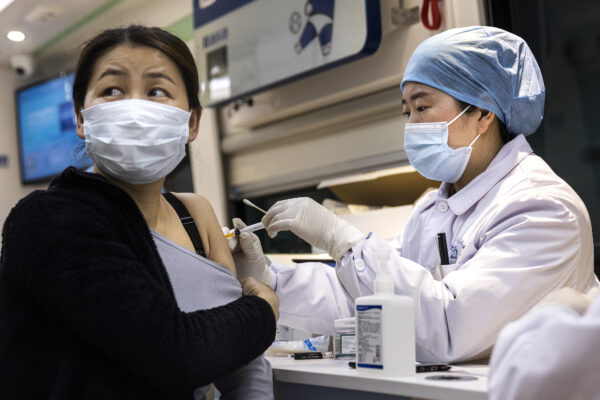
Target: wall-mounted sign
[{"x": 246, "y": 46}]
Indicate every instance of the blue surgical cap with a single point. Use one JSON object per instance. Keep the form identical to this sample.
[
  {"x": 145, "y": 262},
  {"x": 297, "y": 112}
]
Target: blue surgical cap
[{"x": 486, "y": 67}]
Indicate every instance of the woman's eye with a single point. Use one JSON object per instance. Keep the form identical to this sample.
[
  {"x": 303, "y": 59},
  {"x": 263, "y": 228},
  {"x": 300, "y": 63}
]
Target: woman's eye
[
  {"x": 406, "y": 114},
  {"x": 421, "y": 108},
  {"x": 112, "y": 91},
  {"x": 156, "y": 92}
]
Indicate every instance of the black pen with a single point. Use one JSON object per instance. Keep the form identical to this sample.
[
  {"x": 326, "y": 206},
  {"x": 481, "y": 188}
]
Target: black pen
[
  {"x": 443, "y": 248},
  {"x": 432, "y": 368},
  {"x": 308, "y": 355}
]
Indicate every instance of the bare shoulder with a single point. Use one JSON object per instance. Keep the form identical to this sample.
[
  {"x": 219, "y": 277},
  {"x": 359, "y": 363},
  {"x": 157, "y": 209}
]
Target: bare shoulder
[
  {"x": 195, "y": 203},
  {"x": 210, "y": 229}
]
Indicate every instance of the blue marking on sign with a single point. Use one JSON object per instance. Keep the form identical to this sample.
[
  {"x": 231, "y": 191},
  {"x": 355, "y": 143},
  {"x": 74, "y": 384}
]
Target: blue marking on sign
[
  {"x": 215, "y": 37},
  {"x": 203, "y": 16}
]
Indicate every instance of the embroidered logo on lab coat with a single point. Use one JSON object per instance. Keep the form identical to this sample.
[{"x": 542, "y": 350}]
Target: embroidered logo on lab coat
[{"x": 455, "y": 250}]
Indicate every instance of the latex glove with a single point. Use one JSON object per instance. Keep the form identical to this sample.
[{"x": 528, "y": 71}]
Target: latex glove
[
  {"x": 314, "y": 223},
  {"x": 592, "y": 294},
  {"x": 568, "y": 297},
  {"x": 232, "y": 241},
  {"x": 248, "y": 254}
]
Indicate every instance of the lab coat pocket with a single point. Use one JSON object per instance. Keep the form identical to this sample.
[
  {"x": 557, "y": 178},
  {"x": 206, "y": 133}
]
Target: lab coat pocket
[
  {"x": 436, "y": 272},
  {"x": 446, "y": 269}
]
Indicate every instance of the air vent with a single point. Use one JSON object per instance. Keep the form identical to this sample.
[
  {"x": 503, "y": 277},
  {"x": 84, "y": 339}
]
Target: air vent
[{"x": 44, "y": 13}]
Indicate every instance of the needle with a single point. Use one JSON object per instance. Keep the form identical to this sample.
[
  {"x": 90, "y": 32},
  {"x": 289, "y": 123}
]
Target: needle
[{"x": 249, "y": 228}]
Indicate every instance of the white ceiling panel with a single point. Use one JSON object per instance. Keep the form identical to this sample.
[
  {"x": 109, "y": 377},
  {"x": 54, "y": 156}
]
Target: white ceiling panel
[
  {"x": 53, "y": 17},
  {"x": 60, "y": 26}
]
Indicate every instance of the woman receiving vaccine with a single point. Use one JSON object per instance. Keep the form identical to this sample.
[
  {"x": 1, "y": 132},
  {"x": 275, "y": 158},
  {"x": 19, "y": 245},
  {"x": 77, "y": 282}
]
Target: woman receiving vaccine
[
  {"x": 515, "y": 231},
  {"x": 110, "y": 290}
]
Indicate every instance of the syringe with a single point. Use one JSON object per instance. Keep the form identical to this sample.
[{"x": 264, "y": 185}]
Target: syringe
[{"x": 249, "y": 228}]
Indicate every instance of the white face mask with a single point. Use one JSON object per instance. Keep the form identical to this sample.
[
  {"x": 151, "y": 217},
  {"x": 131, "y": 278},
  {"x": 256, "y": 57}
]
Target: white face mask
[
  {"x": 136, "y": 141},
  {"x": 426, "y": 145}
]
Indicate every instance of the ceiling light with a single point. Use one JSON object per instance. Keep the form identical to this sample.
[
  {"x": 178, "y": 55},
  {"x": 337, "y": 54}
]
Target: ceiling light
[
  {"x": 16, "y": 36},
  {"x": 4, "y": 4}
]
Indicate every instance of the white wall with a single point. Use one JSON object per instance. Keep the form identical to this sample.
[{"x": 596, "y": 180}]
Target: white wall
[
  {"x": 207, "y": 168},
  {"x": 11, "y": 189}
]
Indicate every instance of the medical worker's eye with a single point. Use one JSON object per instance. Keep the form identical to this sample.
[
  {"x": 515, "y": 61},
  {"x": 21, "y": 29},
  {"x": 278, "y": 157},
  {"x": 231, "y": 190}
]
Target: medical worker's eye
[
  {"x": 422, "y": 108},
  {"x": 158, "y": 92},
  {"x": 406, "y": 114},
  {"x": 112, "y": 91}
]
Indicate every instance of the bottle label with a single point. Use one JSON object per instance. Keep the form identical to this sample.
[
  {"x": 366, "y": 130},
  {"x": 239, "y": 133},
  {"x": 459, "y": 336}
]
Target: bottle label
[
  {"x": 369, "y": 337},
  {"x": 348, "y": 344}
]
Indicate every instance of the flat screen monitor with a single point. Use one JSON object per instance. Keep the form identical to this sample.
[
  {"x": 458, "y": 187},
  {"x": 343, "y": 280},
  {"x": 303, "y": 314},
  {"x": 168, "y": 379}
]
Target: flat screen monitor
[{"x": 46, "y": 130}]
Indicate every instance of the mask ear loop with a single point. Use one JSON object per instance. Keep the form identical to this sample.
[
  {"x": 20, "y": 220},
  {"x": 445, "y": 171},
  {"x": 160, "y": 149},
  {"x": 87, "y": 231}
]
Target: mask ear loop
[
  {"x": 459, "y": 115},
  {"x": 474, "y": 140},
  {"x": 476, "y": 137}
]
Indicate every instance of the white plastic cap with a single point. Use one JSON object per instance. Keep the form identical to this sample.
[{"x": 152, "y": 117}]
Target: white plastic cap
[
  {"x": 384, "y": 283},
  {"x": 345, "y": 322}
]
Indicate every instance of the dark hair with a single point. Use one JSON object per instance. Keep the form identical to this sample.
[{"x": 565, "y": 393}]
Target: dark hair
[
  {"x": 505, "y": 136},
  {"x": 139, "y": 35}
]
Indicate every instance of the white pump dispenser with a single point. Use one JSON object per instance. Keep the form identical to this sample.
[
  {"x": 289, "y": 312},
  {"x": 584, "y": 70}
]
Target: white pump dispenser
[{"x": 385, "y": 330}]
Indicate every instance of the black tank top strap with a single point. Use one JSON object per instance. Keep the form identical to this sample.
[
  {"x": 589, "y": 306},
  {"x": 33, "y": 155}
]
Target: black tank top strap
[{"x": 187, "y": 221}]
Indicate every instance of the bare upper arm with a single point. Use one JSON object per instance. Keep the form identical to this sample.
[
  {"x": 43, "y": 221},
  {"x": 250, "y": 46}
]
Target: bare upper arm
[{"x": 213, "y": 240}]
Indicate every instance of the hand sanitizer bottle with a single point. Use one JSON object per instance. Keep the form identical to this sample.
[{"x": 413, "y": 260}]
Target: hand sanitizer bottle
[{"x": 385, "y": 331}]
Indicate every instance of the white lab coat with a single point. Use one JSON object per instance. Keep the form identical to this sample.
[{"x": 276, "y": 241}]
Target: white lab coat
[
  {"x": 551, "y": 353},
  {"x": 515, "y": 233}
]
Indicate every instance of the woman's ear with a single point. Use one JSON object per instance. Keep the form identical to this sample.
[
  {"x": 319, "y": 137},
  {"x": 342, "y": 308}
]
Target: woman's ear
[
  {"x": 194, "y": 123},
  {"x": 79, "y": 124},
  {"x": 485, "y": 120}
]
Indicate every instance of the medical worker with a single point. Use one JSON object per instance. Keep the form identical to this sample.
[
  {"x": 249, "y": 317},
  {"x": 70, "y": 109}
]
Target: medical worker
[
  {"x": 552, "y": 352},
  {"x": 515, "y": 230}
]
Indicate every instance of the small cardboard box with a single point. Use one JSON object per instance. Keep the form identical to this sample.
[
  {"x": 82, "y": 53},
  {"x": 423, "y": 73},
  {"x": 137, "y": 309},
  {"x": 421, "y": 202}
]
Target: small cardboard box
[
  {"x": 396, "y": 189},
  {"x": 390, "y": 187}
]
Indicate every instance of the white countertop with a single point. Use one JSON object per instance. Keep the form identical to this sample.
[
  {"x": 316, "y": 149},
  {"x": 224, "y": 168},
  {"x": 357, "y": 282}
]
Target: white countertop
[{"x": 336, "y": 374}]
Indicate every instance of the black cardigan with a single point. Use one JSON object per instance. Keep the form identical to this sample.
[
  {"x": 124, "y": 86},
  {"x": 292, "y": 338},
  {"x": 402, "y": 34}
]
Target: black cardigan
[{"x": 87, "y": 310}]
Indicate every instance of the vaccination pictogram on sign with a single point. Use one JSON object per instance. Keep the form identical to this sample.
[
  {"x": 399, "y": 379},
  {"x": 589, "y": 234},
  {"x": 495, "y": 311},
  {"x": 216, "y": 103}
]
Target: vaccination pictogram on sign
[{"x": 319, "y": 24}]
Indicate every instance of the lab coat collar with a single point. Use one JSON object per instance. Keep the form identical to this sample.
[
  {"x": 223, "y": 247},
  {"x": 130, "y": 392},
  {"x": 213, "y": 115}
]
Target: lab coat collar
[{"x": 507, "y": 158}]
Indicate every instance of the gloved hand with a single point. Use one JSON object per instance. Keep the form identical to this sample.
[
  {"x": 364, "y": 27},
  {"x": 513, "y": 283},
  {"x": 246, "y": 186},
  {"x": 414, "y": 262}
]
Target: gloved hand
[
  {"x": 314, "y": 223},
  {"x": 592, "y": 294},
  {"x": 568, "y": 297},
  {"x": 248, "y": 254}
]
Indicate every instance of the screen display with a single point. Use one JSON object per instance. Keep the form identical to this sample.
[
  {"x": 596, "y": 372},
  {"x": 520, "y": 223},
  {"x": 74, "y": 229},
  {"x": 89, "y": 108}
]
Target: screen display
[{"x": 46, "y": 126}]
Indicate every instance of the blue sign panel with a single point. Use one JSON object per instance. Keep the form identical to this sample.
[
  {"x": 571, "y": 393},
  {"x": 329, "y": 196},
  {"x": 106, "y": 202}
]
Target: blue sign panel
[{"x": 246, "y": 46}]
